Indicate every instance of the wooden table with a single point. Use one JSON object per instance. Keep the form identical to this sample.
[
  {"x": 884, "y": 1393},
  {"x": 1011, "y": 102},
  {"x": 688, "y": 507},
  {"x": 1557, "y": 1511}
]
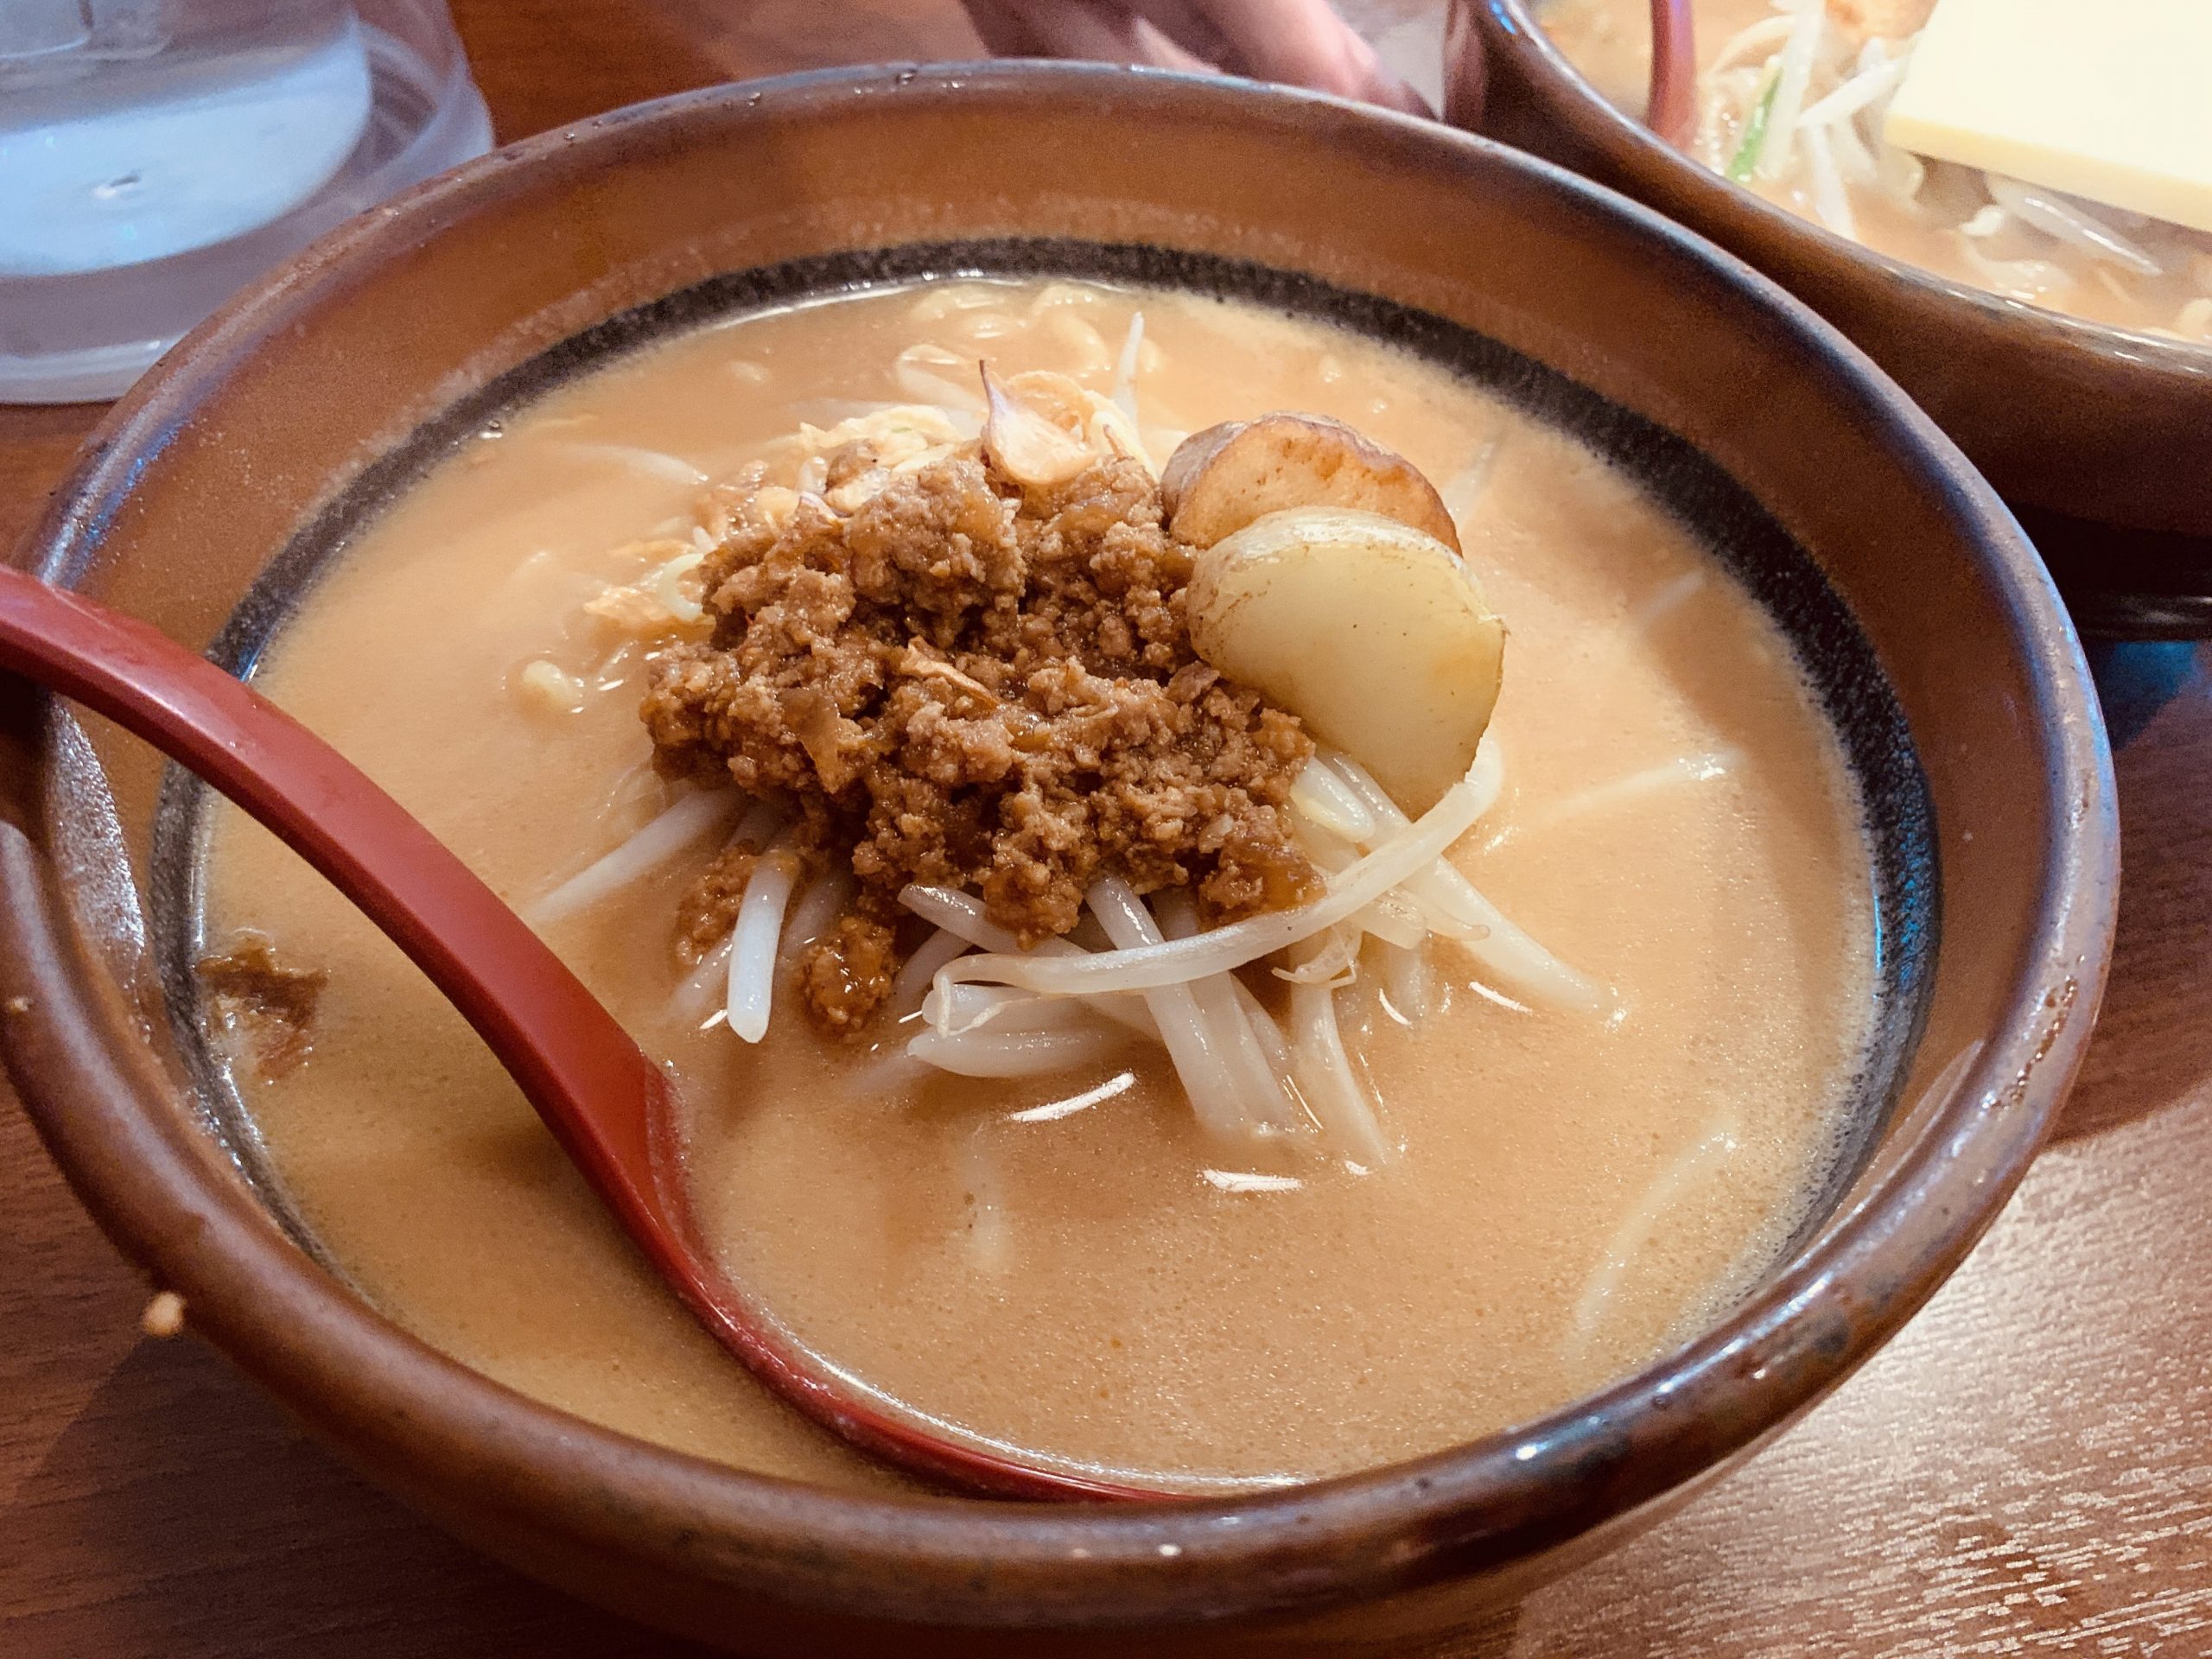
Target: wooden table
[{"x": 2027, "y": 1470}]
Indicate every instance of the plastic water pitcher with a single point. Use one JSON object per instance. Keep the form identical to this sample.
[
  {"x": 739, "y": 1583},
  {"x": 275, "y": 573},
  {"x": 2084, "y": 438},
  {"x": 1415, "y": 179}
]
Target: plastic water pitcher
[{"x": 156, "y": 154}]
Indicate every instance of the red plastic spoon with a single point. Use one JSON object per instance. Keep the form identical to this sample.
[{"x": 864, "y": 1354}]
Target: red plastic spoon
[
  {"x": 607, "y": 1104},
  {"x": 1671, "y": 112}
]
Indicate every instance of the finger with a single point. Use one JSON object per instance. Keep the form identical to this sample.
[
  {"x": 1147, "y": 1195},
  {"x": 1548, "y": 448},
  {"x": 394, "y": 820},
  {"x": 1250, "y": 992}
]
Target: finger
[
  {"x": 1301, "y": 41},
  {"x": 1103, "y": 30},
  {"x": 1157, "y": 48},
  {"x": 1186, "y": 23},
  {"x": 1005, "y": 29}
]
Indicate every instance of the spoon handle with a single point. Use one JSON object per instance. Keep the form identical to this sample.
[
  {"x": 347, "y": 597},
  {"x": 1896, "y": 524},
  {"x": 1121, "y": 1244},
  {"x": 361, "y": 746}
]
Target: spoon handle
[
  {"x": 607, "y": 1104},
  {"x": 546, "y": 1028},
  {"x": 1671, "y": 111}
]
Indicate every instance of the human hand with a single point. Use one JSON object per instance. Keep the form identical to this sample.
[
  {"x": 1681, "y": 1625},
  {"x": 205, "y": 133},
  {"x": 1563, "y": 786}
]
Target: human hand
[{"x": 1302, "y": 43}]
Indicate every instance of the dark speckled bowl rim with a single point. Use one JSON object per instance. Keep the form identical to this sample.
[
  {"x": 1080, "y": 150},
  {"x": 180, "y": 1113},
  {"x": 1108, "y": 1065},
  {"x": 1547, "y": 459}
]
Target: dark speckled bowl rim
[
  {"x": 2173, "y": 357},
  {"x": 936, "y": 1561}
]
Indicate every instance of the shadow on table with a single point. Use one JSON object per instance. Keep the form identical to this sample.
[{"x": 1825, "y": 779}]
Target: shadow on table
[
  {"x": 228, "y": 1532},
  {"x": 2153, "y": 1046},
  {"x": 180, "y": 1515}
]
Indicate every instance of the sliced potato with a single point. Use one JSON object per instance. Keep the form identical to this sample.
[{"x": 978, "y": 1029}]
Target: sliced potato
[
  {"x": 1095, "y": 421},
  {"x": 1370, "y": 630},
  {"x": 1042, "y": 428},
  {"x": 1058, "y": 397},
  {"x": 1023, "y": 443},
  {"x": 1220, "y": 480}
]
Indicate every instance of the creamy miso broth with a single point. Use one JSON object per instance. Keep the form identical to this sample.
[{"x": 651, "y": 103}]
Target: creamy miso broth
[
  {"x": 1069, "y": 1263},
  {"x": 1829, "y": 162}
]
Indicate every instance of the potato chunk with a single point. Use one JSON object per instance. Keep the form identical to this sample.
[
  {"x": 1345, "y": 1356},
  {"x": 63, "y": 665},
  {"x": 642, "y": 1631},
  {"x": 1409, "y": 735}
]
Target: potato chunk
[
  {"x": 1220, "y": 480},
  {"x": 1370, "y": 630},
  {"x": 1026, "y": 444}
]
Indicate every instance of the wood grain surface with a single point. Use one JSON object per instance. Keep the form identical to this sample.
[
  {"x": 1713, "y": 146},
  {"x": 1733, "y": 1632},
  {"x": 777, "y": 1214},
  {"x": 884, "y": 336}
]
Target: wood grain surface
[{"x": 2026, "y": 1471}]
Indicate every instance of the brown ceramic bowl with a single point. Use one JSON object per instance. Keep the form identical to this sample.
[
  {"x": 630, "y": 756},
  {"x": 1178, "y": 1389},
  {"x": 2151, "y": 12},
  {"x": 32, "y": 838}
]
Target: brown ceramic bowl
[
  {"x": 2101, "y": 436},
  {"x": 1922, "y": 612}
]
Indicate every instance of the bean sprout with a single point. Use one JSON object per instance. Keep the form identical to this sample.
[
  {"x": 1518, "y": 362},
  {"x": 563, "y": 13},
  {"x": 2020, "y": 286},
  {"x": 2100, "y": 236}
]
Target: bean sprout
[
  {"x": 1125, "y": 370},
  {"x": 667, "y": 836},
  {"x": 1175, "y": 961},
  {"x": 654, "y": 464},
  {"x": 1013, "y": 1053},
  {"x": 2068, "y": 221},
  {"x": 1325, "y": 1076},
  {"x": 916, "y": 972},
  {"x": 1199, "y": 1050},
  {"x": 752, "y": 943},
  {"x": 1793, "y": 74}
]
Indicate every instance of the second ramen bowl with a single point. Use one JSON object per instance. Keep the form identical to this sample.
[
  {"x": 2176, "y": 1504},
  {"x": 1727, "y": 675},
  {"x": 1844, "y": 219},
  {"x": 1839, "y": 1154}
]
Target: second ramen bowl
[
  {"x": 293, "y": 403},
  {"x": 2101, "y": 437}
]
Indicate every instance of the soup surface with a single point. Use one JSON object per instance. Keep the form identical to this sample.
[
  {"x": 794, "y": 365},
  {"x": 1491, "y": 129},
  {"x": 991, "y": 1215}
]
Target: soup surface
[
  {"x": 1067, "y": 1263},
  {"x": 1832, "y": 167}
]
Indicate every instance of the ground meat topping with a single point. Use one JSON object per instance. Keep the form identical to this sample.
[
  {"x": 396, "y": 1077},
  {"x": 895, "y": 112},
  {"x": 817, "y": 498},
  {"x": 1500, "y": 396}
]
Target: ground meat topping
[
  {"x": 845, "y": 975},
  {"x": 265, "y": 1008},
  {"x": 958, "y": 683},
  {"x": 709, "y": 908}
]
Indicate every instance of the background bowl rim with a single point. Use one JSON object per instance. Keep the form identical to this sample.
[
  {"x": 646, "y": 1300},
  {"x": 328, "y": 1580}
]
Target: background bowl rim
[{"x": 1470, "y": 1506}]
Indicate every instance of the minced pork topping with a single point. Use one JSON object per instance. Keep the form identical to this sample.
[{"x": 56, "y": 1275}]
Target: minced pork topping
[{"x": 951, "y": 680}]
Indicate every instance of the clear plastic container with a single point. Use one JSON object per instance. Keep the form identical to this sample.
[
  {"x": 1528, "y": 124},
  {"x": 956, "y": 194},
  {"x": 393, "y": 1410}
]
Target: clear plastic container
[{"x": 155, "y": 155}]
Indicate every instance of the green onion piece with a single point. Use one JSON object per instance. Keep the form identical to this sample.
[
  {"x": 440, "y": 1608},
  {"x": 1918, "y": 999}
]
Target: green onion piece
[{"x": 1747, "y": 157}]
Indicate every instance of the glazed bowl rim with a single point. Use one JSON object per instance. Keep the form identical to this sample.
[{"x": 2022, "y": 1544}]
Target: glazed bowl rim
[
  {"x": 185, "y": 1215},
  {"x": 1636, "y": 146}
]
